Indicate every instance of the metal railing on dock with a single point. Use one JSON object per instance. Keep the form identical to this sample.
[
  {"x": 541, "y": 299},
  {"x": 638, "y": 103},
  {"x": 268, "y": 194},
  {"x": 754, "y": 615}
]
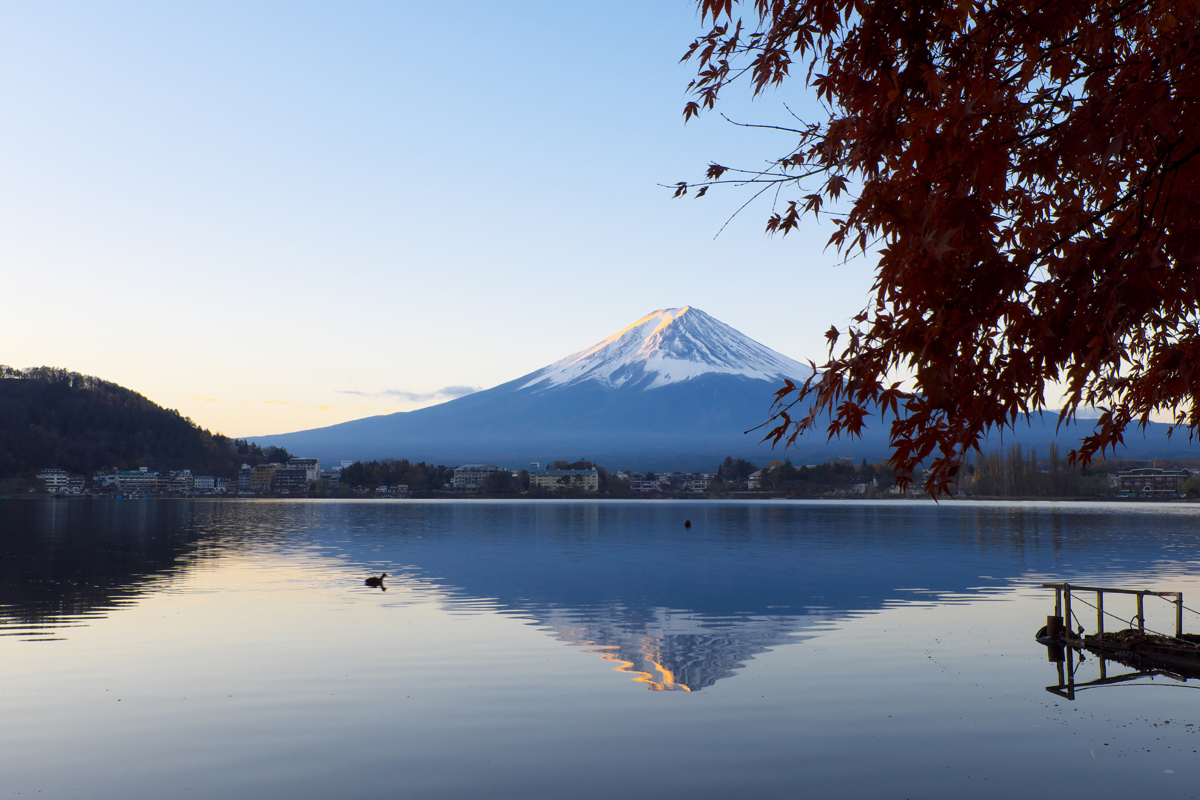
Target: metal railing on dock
[{"x": 1062, "y": 604}]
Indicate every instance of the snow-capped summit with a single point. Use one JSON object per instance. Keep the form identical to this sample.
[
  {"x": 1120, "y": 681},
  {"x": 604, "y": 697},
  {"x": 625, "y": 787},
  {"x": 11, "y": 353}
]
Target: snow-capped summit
[{"x": 665, "y": 347}]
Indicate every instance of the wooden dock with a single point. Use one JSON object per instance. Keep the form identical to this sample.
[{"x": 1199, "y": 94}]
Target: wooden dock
[{"x": 1148, "y": 653}]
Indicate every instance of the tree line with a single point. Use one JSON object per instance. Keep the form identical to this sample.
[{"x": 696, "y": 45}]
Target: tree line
[
  {"x": 417, "y": 477},
  {"x": 1017, "y": 473}
]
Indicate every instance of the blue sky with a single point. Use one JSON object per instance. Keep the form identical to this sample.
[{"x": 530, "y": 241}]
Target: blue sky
[{"x": 277, "y": 216}]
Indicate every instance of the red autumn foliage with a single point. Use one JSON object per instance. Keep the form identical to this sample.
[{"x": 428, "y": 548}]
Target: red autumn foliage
[{"x": 1028, "y": 172}]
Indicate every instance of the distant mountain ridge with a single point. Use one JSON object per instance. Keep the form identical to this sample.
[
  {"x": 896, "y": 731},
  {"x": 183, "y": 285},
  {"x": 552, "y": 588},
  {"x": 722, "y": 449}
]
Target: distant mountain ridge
[{"x": 677, "y": 389}]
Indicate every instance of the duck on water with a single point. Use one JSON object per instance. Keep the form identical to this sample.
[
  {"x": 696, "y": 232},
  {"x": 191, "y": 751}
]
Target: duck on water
[{"x": 373, "y": 581}]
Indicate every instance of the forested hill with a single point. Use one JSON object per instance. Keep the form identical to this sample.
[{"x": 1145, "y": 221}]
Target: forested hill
[{"x": 50, "y": 417}]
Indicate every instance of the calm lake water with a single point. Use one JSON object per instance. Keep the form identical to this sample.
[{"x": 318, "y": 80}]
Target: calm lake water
[{"x": 229, "y": 649}]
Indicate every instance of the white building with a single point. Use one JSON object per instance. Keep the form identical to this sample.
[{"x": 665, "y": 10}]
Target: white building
[
  {"x": 102, "y": 479},
  {"x": 311, "y": 467},
  {"x": 54, "y": 480},
  {"x": 1152, "y": 481},
  {"x": 472, "y": 477}
]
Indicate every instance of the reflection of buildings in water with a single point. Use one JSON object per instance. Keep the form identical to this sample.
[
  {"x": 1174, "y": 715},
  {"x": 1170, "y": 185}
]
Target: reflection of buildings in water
[{"x": 673, "y": 650}]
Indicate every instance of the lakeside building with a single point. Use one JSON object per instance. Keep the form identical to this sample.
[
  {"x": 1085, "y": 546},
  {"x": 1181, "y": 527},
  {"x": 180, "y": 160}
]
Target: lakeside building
[
  {"x": 644, "y": 486},
  {"x": 142, "y": 481},
  {"x": 334, "y": 476},
  {"x": 180, "y": 481},
  {"x": 54, "y": 481},
  {"x": 587, "y": 480},
  {"x": 102, "y": 479},
  {"x": 260, "y": 477},
  {"x": 137, "y": 481},
  {"x": 285, "y": 479},
  {"x": 311, "y": 467},
  {"x": 1152, "y": 481},
  {"x": 472, "y": 477}
]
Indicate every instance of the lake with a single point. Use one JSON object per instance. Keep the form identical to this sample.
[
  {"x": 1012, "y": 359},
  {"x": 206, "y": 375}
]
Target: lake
[{"x": 229, "y": 649}]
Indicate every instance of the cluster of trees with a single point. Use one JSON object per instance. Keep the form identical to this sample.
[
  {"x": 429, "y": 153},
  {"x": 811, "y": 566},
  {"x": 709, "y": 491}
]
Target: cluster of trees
[
  {"x": 822, "y": 479},
  {"x": 807, "y": 481},
  {"x": 419, "y": 477},
  {"x": 1014, "y": 473},
  {"x": 52, "y": 417},
  {"x": 735, "y": 471}
]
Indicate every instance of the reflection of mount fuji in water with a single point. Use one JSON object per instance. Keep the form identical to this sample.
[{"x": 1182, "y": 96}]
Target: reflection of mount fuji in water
[
  {"x": 674, "y": 608},
  {"x": 682, "y": 609},
  {"x": 670, "y": 650}
]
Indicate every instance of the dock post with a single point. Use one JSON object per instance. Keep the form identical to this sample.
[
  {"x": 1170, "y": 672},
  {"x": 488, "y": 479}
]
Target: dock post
[
  {"x": 1179, "y": 615},
  {"x": 1067, "y": 608},
  {"x": 1070, "y": 670},
  {"x": 1141, "y": 619},
  {"x": 1100, "y": 612},
  {"x": 1058, "y": 601}
]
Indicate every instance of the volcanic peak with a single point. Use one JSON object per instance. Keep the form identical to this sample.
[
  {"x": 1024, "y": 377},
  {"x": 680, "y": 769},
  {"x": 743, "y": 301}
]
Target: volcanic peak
[{"x": 668, "y": 346}]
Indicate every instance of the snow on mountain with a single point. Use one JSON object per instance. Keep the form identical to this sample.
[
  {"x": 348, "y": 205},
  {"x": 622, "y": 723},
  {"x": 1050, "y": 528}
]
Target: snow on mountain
[{"x": 668, "y": 346}]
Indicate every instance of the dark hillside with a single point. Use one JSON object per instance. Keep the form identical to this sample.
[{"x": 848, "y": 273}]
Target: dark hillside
[{"x": 50, "y": 417}]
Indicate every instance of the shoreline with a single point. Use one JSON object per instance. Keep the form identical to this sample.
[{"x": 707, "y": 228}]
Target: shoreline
[{"x": 608, "y": 498}]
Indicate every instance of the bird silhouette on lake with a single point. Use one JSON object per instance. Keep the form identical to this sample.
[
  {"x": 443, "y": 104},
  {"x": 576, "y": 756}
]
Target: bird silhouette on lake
[
  {"x": 687, "y": 523},
  {"x": 373, "y": 581}
]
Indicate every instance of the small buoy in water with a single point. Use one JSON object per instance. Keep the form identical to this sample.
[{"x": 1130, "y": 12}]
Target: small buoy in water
[
  {"x": 373, "y": 581},
  {"x": 687, "y": 523}
]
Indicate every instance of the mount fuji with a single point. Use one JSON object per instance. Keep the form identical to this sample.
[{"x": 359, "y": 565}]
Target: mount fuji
[{"x": 678, "y": 389}]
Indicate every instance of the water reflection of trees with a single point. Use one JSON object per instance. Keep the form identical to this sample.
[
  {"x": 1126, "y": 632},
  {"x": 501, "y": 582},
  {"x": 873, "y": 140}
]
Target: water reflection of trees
[{"x": 64, "y": 560}]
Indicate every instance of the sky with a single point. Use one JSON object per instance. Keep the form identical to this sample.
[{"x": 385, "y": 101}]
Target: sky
[{"x": 281, "y": 216}]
